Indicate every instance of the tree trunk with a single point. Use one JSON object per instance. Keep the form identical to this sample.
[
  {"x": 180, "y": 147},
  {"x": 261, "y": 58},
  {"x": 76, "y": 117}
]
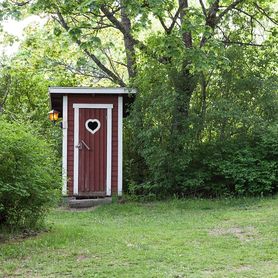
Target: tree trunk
[
  {"x": 183, "y": 81},
  {"x": 129, "y": 44},
  {"x": 186, "y": 36},
  {"x": 5, "y": 92}
]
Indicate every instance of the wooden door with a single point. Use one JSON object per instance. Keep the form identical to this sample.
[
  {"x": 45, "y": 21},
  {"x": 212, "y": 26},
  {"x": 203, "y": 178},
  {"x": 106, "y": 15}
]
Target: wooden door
[{"x": 92, "y": 158}]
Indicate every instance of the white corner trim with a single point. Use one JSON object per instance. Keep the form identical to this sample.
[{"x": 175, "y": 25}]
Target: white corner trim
[
  {"x": 120, "y": 146},
  {"x": 65, "y": 146},
  {"x": 76, "y": 151},
  {"x": 95, "y": 105},
  {"x": 109, "y": 152}
]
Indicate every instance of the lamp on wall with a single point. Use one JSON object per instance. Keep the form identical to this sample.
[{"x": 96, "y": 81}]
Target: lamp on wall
[{"x": 53, "y": 116}]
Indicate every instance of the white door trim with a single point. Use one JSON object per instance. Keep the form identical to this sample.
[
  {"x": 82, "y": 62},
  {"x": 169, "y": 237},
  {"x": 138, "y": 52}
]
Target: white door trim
[
  {"x": 109, "y": 107},
  {"x": 94, "y": 105},
  {"x": 76, "y": 151},
  {"x": 120, "y": 146},
  {"x": 65, "y": 146}
]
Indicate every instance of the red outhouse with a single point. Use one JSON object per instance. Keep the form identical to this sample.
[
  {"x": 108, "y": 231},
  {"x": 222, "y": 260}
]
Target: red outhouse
[{"x": 92, "y": 122}]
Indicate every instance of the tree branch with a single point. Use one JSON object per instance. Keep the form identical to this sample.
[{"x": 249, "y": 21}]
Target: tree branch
[
  {"x": 265, "y": 14},
  {"x": 223, "y": 33},
  {"x": 229, "y": 8},
  {"x": 212, "y": 19},
  {"x": 117, "y": 24},
  {"x": 245, "y": 43},
  {"x": 203, "y": 7},
  {"x": 163, "y": 24},
  {"x": 251, "y": 16},
  {"x": 169, "y": 29},
  {"x": 75, "y": 70},
  {"x": 110, "y": 61},
  {"x": 21, "y": 4},
  {"x": 114, "y": 77},
  {"x": 176, "y": 16}
]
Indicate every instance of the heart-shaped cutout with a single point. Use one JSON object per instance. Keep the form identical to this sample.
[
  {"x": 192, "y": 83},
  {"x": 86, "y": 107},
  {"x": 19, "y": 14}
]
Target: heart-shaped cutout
[{"x": 92, "y": 125}]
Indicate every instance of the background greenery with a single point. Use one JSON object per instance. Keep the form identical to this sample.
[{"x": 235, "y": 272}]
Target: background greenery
[
  {"x": 29, "y": 180},
  {"x": 204, "y": 120}
]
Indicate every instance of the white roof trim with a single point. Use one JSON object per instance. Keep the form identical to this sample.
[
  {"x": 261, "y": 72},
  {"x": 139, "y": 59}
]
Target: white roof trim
[{"x": 88, "y": 90}]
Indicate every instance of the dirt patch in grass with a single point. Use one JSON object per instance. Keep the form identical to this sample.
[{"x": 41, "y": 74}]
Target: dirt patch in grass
[
  {"x": 242, "y": 233},
  {"x": 82, "y": 257},
  {"x": 21, "y": 235},
  {"x": 243, "y": 268}
]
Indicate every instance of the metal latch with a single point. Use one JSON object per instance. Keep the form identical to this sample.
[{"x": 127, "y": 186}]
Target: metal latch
[{"x": 79, "y": 146}]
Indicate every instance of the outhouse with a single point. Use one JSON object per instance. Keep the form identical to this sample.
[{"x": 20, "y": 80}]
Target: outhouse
[{"x": 92, "y": 123}]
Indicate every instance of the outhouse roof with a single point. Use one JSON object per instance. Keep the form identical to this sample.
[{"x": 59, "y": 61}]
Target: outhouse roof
[
  {"x": 90, "y": 90},
  {"x": 56, "y": 93}
]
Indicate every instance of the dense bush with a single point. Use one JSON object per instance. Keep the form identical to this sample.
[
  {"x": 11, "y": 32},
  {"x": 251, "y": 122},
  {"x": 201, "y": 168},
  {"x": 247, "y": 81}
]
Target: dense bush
[
  {"x": 228, "y": 144},
  {"x": 223, "y": 168},
  {"x": 28, "y": 177},
  {"x": 236, "y": 167},
  {"x": 241, "y": 167}
]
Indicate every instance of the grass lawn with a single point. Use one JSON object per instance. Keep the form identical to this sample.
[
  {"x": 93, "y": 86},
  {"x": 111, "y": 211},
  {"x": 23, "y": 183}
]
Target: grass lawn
[{"x": 180, "y": 238}]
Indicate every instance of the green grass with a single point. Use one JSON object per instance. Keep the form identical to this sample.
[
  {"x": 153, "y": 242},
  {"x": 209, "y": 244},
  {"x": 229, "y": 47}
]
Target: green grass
[{"x": 181, "y": 238}]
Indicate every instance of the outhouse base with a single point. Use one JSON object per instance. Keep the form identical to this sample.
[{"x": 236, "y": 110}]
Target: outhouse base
[{"x": 87, "y": 203}]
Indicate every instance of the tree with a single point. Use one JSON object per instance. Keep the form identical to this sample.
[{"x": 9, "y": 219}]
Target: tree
[
  {"x": 181, "y": 48},
  {"x": 194, "y": 25}
]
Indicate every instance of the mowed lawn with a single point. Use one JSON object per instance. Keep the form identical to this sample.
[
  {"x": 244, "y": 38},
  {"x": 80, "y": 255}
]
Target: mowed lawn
[{"x": 180, "y": 238}]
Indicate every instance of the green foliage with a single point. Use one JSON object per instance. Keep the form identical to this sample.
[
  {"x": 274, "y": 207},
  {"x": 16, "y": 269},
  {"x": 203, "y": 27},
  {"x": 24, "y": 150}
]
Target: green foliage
[
  {"x": 228, "y": 146},
  {"x": 241, "y": 166},
  {"x": 29, "y": 176},
  {"x": 206, "y": 79}
]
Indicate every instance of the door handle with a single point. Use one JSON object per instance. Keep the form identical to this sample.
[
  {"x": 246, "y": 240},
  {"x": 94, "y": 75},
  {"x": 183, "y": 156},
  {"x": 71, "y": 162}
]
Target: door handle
[
  {"x": 88, "y": 148},
  {"x": 79, "y": 146}
]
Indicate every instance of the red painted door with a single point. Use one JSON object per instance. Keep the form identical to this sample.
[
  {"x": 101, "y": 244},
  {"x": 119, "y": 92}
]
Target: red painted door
[{"x": 92, "y": 152}]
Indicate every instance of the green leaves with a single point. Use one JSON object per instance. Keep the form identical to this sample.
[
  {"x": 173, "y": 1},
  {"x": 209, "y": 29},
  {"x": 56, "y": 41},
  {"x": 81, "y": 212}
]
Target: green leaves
[
  {"x": 199, "y": 83},
  {"x": 29, "y": 177},
  {"x": 75, "y": 32},
  {"x": 57, "y": 31},
  {"x": 91, "y": 43}
]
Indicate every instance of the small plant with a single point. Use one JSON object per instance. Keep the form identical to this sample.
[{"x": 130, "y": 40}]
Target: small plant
[{"x": 28, "y": 177}]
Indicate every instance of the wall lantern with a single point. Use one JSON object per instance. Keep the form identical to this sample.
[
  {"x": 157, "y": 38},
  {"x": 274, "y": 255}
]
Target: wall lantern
[{"x": 53, "y": 116}]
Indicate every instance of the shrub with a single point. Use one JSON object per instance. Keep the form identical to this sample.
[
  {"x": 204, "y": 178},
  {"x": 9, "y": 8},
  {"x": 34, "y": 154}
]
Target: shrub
[
  {"x": 239, "y": 167},
  {"x": 28, "y": 177}
]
